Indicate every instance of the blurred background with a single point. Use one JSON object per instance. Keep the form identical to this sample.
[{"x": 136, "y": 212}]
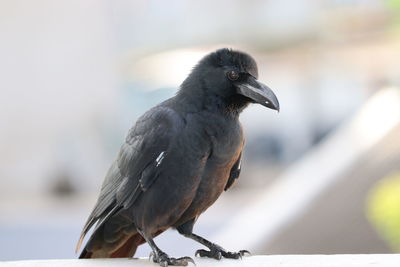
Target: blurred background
[{"x": 322, "y": 176}]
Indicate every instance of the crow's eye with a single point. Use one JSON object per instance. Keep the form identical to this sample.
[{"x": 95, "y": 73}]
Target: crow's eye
[{"x": 233, "y": 75}]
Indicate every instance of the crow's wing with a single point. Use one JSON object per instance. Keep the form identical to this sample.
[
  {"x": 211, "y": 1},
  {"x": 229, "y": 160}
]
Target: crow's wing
[
  {"x": 235, "y": 172},
  {"x": 136, "y": 167}
]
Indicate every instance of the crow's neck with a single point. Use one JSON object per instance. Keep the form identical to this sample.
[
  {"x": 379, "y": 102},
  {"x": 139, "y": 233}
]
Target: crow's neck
[{"x": 203, "y": 100}]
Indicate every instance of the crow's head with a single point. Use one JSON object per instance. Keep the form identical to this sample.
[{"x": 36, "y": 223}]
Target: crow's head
[{"x": 232, "y": 76}]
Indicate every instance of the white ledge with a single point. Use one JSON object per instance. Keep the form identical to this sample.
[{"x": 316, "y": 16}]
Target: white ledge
[{"x": 347, "y": 260}]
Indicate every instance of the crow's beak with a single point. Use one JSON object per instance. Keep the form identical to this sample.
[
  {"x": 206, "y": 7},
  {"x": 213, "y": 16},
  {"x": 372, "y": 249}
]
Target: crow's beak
[{"x": 258, "y": 92}]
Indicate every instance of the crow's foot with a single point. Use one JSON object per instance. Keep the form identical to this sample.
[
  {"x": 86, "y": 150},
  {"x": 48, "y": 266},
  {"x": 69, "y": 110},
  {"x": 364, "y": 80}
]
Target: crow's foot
[
  {"x": 164, "y": 260},
  {"x": 216, "y": 252}
]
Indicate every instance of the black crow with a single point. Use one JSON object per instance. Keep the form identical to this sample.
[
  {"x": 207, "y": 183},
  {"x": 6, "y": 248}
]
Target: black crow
[{"x": 176, "y": 161}]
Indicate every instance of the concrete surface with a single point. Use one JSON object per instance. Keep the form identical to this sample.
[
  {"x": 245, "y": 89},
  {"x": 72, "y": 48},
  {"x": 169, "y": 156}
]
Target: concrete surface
[{"x": 349, "y": 260}]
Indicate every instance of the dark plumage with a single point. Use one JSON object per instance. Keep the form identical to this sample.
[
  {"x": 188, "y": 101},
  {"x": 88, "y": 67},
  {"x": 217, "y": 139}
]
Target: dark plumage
[{"x": 176, "y": 161}]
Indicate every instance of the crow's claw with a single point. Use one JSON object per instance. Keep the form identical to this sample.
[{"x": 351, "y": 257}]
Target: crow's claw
[
  {"x": 184, "y": 261},
  {"x": 151, "y": 256},
  {"x": 217, "y": 253},
  {"x": 243, "y": 252},
  {"x": 164, "y": 260},
  {"x": 213, "y": 253}
]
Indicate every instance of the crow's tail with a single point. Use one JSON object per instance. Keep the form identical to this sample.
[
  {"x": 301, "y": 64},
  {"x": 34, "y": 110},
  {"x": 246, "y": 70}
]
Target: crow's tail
[{"x": 123, "y": 248}]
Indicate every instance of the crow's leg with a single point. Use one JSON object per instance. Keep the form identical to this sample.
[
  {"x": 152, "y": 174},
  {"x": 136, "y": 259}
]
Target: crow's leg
[
  {"x": 215, "y": 252},
  {"x": 161, "y": 257}
]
